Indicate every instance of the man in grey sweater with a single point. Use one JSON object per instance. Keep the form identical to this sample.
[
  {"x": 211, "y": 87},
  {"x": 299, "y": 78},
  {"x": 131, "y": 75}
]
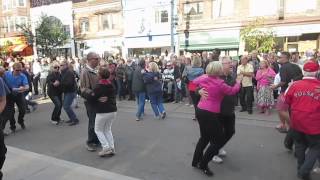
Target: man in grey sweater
[{"x": 88, "y": 80}]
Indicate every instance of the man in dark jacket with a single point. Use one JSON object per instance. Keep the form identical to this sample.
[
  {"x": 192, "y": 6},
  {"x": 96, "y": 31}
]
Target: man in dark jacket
[
  {"x": 68, "y": 85},
  {"x": 227, "y": 114},
  {"x": 130, "y": 67},
  {"x": 139, "y": 88}
]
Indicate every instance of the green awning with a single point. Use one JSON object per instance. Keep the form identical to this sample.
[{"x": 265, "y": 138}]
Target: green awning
[{"x": 228, "y": 39}]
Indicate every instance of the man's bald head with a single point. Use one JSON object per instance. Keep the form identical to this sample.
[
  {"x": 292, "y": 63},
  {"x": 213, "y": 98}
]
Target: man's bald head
[{"x": 93, "y": 59}]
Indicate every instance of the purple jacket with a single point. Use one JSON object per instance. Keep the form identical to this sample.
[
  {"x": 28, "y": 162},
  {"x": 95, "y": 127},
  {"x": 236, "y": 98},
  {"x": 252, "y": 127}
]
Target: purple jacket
[{"x": 217, "y": 89}]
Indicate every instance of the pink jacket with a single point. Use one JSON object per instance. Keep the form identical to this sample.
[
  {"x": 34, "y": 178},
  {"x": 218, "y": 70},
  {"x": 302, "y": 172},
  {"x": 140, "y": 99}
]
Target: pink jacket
[
  {"x": 265, "y": 79},
  {"x": 217, "y": 89}
]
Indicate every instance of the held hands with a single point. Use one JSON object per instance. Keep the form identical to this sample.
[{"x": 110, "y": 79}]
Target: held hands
[
  {"x": 103, "y": 99},
  {"x": 273, "y": 86},
  {"x": 239, "y": 79},
  {"x": 203, "y": 93},
  {"x": 56, "y": 83}
]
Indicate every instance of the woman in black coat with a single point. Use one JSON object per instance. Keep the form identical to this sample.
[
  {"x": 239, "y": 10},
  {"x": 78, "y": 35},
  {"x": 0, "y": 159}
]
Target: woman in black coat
[{"x": 55, "y": 92}]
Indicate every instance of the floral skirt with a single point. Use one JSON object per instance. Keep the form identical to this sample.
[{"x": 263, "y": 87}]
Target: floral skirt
[{"x": 265, "y": 97}]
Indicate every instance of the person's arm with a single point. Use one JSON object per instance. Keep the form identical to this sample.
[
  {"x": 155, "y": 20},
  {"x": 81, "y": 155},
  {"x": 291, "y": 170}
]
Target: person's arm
[
  {"x": 3, "y": 100},
  {"x": 85, "y": 85},
  {"x": 259, "y": 75},
  {"x": 25, "y": 84},
  {"x": 230, "y": 90},
  {"x": 283, "y": 80}
]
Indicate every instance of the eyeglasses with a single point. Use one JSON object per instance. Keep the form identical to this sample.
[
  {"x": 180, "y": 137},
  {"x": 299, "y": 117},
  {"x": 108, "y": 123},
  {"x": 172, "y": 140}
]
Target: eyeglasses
[
  {"x": 57, "y": 67},
  {"x": 18, "y": 70},
  {"x": 62, "y": 65}
]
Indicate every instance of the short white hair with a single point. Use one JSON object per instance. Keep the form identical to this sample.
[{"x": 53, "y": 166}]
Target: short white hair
[{"x": 310, "y": 74}]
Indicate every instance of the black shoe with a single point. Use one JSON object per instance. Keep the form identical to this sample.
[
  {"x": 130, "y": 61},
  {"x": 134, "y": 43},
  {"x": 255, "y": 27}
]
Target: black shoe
[
  {"x": 28, "y": 111},
  {"x": 23, "y": 126},
  {"x": 68, "y": 122},
  {"x": 243, "y": 110},
  {"x": 73, "y": 123},
  {"x": 91, "y": 148},
  {"x": 249, "y": 111},
  {"x": 207, "y": 171},
  {"x": 164, "y": 115},
  {"x": 304, "y": 177}
]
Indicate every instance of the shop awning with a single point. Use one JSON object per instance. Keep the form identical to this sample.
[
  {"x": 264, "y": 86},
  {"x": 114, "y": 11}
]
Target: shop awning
[
  {"x": 19, "y": 48},
  {"x": 228, "y": 39}
]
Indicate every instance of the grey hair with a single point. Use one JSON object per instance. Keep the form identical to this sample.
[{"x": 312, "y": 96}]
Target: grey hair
[
  {"x": 226, "y": 58},
  {"x": 310, "y": 74}
]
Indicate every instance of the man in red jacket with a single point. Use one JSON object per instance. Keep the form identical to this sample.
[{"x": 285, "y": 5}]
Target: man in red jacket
[{"x": 303, "y": 98}]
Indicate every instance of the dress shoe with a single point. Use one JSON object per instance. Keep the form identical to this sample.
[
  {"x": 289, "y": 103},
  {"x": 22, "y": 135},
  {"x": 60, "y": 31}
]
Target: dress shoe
[
  {"x": 243, "y": 110},
  {"x": 73, "y": 123},
  {"x": 22, "y": 126},
  {"x": 207, "y": 171}
]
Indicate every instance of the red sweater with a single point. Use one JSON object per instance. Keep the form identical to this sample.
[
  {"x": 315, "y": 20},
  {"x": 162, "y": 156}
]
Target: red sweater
[{"x": 304, "y": 101}]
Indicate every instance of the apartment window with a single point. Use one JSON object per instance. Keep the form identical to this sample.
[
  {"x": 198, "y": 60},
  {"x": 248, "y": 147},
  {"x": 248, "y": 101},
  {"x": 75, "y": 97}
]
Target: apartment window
[
  {"x": 9, "y": 4},
  {"x": 66, "y": 29},
  {"x": 193, "y": 8},
  {"x": 222, "y": 8},
  {"x": 22, "y": 3},
  {"x": 264, "y": 8},
  {"x": 296, "y": 6},
  {"x": 11, "y": 24},
  {"x": 20, "y": 21},
  {"x": 84, "y": 25},
  {"x": 162, "y": 16},
  {"x": 109, "y": 21}
]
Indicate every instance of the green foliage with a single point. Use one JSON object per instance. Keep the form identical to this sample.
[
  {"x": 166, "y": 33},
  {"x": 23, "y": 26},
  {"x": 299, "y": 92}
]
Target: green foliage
[
  {"x": 50, "y": 34},
  {"x": 257, "y": 37},
  {"x": 5, "y": 47}
]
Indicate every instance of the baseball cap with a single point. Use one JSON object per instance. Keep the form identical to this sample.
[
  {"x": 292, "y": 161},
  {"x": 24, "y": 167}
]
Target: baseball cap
[{"x": 311, "y": 66}]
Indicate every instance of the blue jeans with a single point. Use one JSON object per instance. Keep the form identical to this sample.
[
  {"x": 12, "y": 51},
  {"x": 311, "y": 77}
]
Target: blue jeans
[
  {"x": 156, "y": 104},
  {"x": 141, "y": 99},
  {"x": 67, "y": 102},
  {"x": 120, "y": 88},
  {"x": 57, "y": 107}
]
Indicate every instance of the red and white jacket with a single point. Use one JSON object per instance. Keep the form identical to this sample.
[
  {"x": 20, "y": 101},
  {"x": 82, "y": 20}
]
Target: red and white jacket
[{"x": 303, "y": 98}]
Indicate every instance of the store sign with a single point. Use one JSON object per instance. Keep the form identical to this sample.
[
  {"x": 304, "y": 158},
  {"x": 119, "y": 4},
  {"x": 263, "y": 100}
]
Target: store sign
[{"x": 13, "y": 41}]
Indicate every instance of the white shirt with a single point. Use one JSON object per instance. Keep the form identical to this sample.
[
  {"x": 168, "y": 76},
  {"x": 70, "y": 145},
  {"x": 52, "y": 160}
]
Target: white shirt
[{"x": 36, "y": 68}]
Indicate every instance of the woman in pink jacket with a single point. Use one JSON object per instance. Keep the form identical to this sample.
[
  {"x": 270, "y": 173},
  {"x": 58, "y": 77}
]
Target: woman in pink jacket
[
  {"x": 265, "y": 77},
  {"x": 211, "y": 129}
]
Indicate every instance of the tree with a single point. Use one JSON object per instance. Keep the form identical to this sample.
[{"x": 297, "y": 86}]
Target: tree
[
  {"x": 257, "y": 37},
  {"x": 50, "y": 34}
]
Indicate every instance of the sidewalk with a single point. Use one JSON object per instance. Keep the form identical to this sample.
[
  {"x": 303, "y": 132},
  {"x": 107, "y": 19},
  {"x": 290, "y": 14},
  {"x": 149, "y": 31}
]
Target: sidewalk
[{"x": 25, "y": 165}]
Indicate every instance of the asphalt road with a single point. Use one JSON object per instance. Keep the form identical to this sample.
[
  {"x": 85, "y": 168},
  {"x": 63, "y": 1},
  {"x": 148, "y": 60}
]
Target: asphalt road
[{"x": 162, "y": 149}]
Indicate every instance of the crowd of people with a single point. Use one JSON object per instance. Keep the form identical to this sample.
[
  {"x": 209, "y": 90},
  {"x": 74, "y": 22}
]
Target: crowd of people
[{"x": 211, "y": 84}]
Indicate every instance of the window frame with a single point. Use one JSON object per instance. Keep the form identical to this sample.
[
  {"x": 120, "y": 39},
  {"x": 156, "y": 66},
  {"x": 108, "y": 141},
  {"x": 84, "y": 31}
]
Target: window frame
[{"x": 84, "y": 25}]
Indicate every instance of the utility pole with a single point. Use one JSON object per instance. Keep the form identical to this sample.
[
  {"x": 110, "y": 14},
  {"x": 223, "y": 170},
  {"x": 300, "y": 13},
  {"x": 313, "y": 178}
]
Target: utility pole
[{"x": 172, "y": 27}]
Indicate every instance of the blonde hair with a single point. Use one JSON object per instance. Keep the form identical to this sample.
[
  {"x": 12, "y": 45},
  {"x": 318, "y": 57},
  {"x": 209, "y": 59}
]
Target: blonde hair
[
  {"x": 17, "y": 65},
  {"x": 53, "y": 64},
  {"x": 196, "y": 61},
  {"x": 153, "y": 67},
  {"x": 214, "y": 68},
  {"x": 266, "y": 62}
]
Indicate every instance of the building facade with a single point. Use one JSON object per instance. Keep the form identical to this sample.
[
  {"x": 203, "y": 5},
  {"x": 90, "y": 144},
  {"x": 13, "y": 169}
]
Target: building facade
[
  {"x": 61, "y": 9},
  {"x": 209, "y": 24},
  {"x": 13, "y": 15},
  {"x": 147, "y": 27},
  {"x": 98, "y": 27}
]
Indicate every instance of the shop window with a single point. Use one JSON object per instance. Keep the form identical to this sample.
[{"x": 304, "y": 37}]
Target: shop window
[
  {"x": 309, "y": 37},
  {"x": 21, "y": 3},
  {"x": 293, "y": 39},
  {"x": 84, "y": 25}
]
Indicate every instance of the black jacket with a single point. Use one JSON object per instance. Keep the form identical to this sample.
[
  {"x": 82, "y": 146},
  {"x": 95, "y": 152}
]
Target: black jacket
[
  {"x": 52, "y": 90},
  {"x": 68, "y": 81},
  {"x": 137, "y": 81},
  {"x": 228, "y": 102},
  {"x": 102, "y": 90}
]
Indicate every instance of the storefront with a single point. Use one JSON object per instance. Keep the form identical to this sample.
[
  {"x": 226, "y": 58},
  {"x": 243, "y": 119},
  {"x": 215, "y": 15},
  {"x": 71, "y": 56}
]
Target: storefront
[
  {"x": 104, "y": 47},
  {"x": 298, "y": 38},
  {"x": 15, "y": 46},
  {"x": 148, "y": 45},
  {"x": 228, "y": 41}
]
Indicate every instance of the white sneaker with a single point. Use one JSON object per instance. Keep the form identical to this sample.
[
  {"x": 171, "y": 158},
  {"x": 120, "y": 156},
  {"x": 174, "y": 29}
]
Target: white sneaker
[
  {"x": 316, "y": 170},
  {"x": 217, "y": 159},
  {"x": 105, "y": 152},
  {"x": 222, "y": 153}
]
